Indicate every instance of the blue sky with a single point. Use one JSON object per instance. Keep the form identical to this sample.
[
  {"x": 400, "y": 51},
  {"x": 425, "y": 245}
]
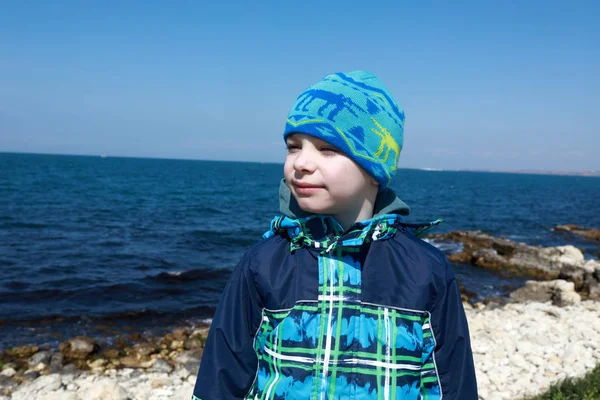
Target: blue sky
[{"x": 492, "y": 85}]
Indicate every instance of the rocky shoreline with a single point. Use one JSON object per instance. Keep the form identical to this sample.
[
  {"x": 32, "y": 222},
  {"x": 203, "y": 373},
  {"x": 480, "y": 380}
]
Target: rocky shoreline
[
  {"x": 136, "y": 368},
  {"x": 544, "y": 332},
  {"x": 520, "y": 349}
]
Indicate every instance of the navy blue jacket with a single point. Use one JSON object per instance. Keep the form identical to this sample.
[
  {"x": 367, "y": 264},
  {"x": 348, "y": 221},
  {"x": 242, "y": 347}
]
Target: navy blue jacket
[{"x": 315, "y": 312}]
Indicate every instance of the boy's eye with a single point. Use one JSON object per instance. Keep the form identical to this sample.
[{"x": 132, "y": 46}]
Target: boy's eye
[
  {"x": 329, "y": 150},
  {"x": 291, "y": 147}
]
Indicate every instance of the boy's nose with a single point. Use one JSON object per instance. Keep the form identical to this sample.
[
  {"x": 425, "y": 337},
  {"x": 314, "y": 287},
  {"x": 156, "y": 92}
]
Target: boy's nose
[{"x": 304, "y": 162}]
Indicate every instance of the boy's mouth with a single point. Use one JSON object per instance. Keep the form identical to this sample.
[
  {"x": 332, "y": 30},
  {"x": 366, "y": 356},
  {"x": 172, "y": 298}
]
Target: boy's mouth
[
  {"x": 306, "y": 185},
  {"x": 306, "y": 188}
]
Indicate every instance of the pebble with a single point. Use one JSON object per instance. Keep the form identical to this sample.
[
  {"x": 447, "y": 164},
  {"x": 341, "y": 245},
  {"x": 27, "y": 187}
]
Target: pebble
[{"x": 8, "y": 372}]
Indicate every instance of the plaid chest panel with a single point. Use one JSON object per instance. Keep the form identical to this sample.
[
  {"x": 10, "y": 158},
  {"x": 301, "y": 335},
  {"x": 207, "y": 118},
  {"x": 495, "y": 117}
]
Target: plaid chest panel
[{"x": 338, "y": 347}]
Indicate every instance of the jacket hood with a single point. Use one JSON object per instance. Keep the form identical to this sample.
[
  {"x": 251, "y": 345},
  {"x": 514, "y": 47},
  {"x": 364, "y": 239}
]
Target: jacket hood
[{"x": 387, "y": 202}]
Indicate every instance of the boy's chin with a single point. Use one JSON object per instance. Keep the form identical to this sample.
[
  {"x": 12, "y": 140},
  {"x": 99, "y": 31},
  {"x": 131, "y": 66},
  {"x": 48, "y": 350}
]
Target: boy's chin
[{"x": 312, "y": 209}]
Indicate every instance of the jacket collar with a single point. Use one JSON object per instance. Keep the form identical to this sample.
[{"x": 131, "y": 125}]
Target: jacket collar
[{"x": 323, "y": 231}]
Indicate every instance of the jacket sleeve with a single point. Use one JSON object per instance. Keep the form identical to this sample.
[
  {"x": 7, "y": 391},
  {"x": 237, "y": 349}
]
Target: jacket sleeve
[
  {"x": 229, "y": 362},
  {"x": 452, "y": 355}
]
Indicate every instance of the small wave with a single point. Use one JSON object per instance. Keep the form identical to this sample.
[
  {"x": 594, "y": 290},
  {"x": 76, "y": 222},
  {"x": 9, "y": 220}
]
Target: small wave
[
  {"x": 190, "y": 276},
  {"x": 175, "y": 273}
]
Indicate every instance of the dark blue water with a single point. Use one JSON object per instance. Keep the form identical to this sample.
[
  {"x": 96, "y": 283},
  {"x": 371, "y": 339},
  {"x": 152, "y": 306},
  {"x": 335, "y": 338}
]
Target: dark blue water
[{"x": 92, "y": 245}]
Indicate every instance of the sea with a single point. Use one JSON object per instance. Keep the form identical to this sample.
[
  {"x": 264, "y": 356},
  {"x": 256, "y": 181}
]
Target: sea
[{"x": 103, "y": 246}]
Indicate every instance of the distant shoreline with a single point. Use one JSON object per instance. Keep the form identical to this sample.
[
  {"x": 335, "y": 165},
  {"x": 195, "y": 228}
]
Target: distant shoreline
[
  {"x": 514, "y": 171},
  {"x": 498, "y": 171}
]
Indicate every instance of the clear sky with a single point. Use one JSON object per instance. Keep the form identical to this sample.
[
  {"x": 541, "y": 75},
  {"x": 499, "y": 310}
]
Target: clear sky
[{"x": 484, "y": 84}]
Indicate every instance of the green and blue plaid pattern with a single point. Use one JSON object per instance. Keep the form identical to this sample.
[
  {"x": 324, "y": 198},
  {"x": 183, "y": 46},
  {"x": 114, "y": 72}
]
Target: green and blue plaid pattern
[{"x": 338, "y": 346}]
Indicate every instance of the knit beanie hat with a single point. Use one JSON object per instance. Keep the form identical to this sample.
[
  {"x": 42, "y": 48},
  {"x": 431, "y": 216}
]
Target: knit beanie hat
[{"x": 357, "y": 114}]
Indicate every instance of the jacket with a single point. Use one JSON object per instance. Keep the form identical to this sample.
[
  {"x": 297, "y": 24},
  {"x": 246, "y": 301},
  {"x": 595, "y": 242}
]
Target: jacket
[{"x": 316, "y": 312}]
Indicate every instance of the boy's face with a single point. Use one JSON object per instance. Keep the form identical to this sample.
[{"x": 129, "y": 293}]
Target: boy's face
[{"x": 324, "y": 180}]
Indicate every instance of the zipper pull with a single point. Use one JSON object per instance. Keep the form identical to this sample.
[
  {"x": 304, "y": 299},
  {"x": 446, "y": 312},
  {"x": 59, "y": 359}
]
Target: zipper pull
[
  {"x": 377, "y": 231},
  {"x": 330, "y": 247}
]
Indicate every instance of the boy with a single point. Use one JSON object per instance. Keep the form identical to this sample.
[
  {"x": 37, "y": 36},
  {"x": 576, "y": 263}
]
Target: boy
[{"x": 340, "y": 300}]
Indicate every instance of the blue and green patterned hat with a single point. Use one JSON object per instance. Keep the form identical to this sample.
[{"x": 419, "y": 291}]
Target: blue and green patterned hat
[{"x": 356, "y": 113}]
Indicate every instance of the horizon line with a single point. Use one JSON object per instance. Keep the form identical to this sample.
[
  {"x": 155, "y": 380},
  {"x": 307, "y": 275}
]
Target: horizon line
[{"x": 589, "y": 173}]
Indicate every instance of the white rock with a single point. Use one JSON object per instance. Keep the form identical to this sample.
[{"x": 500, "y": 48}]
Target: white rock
[
  {"x": 188, "y": 356},
  {"x": 126, "y": 371},
  {"x": 524, "y": 347},
  {"x": 58, "y": 395},
  {"x": 185, "y": 392},
  {"x": 183, "y": 373},
  {"x": 111, "y": 373},
  {"x": 45, "y": 383},
  {"x": 39, "y": 367},
  {"x": 10, "y": 372},
  {"x": 482, "y": 379},
  {"x": 160, "y": 382},
  {"x": 570, "y": 255},
  {"x": 519, "y": 361},
  {"x": 161, "y": 365},
  {"x": 103, "y": 389},
  {"x": 483, "y": 392},
  {"x": 591, "y": 265}
]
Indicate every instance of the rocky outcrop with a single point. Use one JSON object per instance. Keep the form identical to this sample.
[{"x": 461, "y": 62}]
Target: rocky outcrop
[
  {"x": 588, "y": 233},
  {"x": 560, "y": 292},
  {"x": 512, "y": 258}
]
